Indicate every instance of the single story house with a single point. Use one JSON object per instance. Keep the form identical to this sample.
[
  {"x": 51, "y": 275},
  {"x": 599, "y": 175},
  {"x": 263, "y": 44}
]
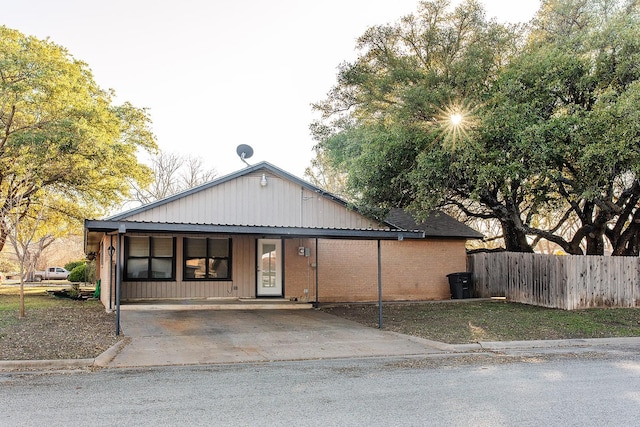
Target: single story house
[{"x": 262, "y": 233}]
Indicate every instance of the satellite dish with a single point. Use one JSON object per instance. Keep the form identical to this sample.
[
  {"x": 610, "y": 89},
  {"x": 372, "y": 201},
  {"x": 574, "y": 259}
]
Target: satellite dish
[{"x": 245, "y": 152}]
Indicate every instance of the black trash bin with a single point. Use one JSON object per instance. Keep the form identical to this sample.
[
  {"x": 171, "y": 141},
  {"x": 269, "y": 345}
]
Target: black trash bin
[{"x": 461, "y": 285}]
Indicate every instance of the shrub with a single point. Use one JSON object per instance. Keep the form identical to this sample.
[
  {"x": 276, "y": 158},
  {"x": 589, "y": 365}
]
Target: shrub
[
  {"x": 73, "y": 264},
  {"x": 85, "y": 272},
  {"x": 78, "y": 274}
]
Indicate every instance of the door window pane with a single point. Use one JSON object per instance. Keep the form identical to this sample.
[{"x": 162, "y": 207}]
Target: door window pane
[
  {"x": 268, "y": 265},
  {"x": 268, "y": 257}
]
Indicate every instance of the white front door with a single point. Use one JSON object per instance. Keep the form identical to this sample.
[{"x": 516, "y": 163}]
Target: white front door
[{"x": 269, "y": 267}]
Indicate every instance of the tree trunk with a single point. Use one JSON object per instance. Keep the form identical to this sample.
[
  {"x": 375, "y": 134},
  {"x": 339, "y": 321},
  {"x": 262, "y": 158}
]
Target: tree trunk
[
  {"x": 515, "y": 239},
  {"x": 595, "y": 241},
  {"x": 508, "y": 213},
  {"x": 633, "y": 247},
  {"x": 3, "y": 237},
  {"x": 628, "y": 243}
]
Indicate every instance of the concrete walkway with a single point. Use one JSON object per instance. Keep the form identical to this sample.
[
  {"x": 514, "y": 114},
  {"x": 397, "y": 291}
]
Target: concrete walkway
[{"x": 165, "y": 337}]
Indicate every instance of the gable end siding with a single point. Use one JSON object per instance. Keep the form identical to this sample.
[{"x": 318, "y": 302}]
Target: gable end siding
[{"x": 243, "y": 201}]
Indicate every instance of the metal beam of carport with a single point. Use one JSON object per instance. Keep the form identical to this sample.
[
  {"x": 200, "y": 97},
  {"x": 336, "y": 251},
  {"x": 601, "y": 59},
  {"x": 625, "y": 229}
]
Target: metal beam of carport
[{"x": 106, "y": 226}]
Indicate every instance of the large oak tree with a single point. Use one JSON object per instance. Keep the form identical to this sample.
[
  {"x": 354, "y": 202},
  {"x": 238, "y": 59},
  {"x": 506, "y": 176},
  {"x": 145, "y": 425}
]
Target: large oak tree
[{"x": 530, "y": 126}]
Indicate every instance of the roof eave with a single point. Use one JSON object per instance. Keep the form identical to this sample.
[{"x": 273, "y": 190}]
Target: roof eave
[{"x": 108, "y": 226}]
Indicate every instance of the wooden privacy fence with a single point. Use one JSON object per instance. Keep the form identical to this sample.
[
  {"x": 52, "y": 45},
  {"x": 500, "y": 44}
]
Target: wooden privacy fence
[{"x": 567, "y": 282}]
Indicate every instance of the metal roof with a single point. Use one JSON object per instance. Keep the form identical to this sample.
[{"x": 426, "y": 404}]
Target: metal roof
[
  {"x": 94, "y": 230},
  {"x": 136, "y": 226}
]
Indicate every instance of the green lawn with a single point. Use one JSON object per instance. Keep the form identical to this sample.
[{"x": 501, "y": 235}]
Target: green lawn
[{"x": 496, "y": 320}]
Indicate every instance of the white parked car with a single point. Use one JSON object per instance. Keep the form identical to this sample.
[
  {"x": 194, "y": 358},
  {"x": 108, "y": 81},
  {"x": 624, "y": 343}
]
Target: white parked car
[{"x": 51, "y": 273}]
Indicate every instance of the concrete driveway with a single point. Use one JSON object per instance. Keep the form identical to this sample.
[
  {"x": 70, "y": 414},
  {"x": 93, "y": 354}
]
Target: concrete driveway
[{"x": 168, "y": 337}]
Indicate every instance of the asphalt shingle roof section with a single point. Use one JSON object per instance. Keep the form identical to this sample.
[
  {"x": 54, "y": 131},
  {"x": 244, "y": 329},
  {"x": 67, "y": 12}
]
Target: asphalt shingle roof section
[{"x": 437, "y": 224}]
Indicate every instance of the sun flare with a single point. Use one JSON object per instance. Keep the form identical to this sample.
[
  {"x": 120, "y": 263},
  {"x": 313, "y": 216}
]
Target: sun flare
[{"x": 456, "y": 120}]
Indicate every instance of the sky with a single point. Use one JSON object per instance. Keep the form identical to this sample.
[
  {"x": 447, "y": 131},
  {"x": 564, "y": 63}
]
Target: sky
[{"x": 215, "y": 74}]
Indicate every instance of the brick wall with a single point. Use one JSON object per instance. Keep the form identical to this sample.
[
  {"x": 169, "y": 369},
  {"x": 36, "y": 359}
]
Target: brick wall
[
  {"x": 348, "y": 269},
  {"x": 300, "y": 273}
]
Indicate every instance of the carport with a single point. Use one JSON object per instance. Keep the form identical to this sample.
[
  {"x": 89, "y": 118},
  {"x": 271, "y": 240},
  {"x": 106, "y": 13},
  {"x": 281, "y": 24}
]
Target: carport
[{"x": 114, "y": 232}]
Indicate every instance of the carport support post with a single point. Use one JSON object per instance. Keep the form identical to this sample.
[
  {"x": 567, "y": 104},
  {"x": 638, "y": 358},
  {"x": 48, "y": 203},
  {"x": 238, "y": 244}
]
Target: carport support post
[
  {"x": 317, "y": 302},
  {"x": 118, "y": 276},
  {"x": 379, "y": 287}
]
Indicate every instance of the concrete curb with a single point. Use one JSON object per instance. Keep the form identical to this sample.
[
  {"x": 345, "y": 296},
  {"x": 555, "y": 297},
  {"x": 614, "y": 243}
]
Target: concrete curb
[
  {"x": 451, "y": 348},
  {"x": 523, "y": 345},
  {"x": 100, "y": 361},
  {"x": 27, "y": 365},
  {"x": 103, "y": 360},
  {"x": 578, "y": 342},
  {"x": 107, "y": 356}
]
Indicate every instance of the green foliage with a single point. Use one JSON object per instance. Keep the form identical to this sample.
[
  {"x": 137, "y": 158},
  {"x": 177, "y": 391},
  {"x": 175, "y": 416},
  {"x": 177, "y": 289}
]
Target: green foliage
[
  {"x": 73, "y": 264},
  {"x": 78, "y": 274},
  {"x": 63, "y": 144},
  {"x": 549, "y": 131},
  {"x": 83, "y": 272}
]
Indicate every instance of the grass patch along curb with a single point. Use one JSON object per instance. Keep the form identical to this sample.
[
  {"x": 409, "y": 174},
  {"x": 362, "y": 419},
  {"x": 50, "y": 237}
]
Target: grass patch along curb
[{"x": 466, "y": 322}]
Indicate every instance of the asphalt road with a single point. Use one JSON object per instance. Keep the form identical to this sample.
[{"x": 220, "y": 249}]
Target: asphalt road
[{"x": 559, "y": 390}]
